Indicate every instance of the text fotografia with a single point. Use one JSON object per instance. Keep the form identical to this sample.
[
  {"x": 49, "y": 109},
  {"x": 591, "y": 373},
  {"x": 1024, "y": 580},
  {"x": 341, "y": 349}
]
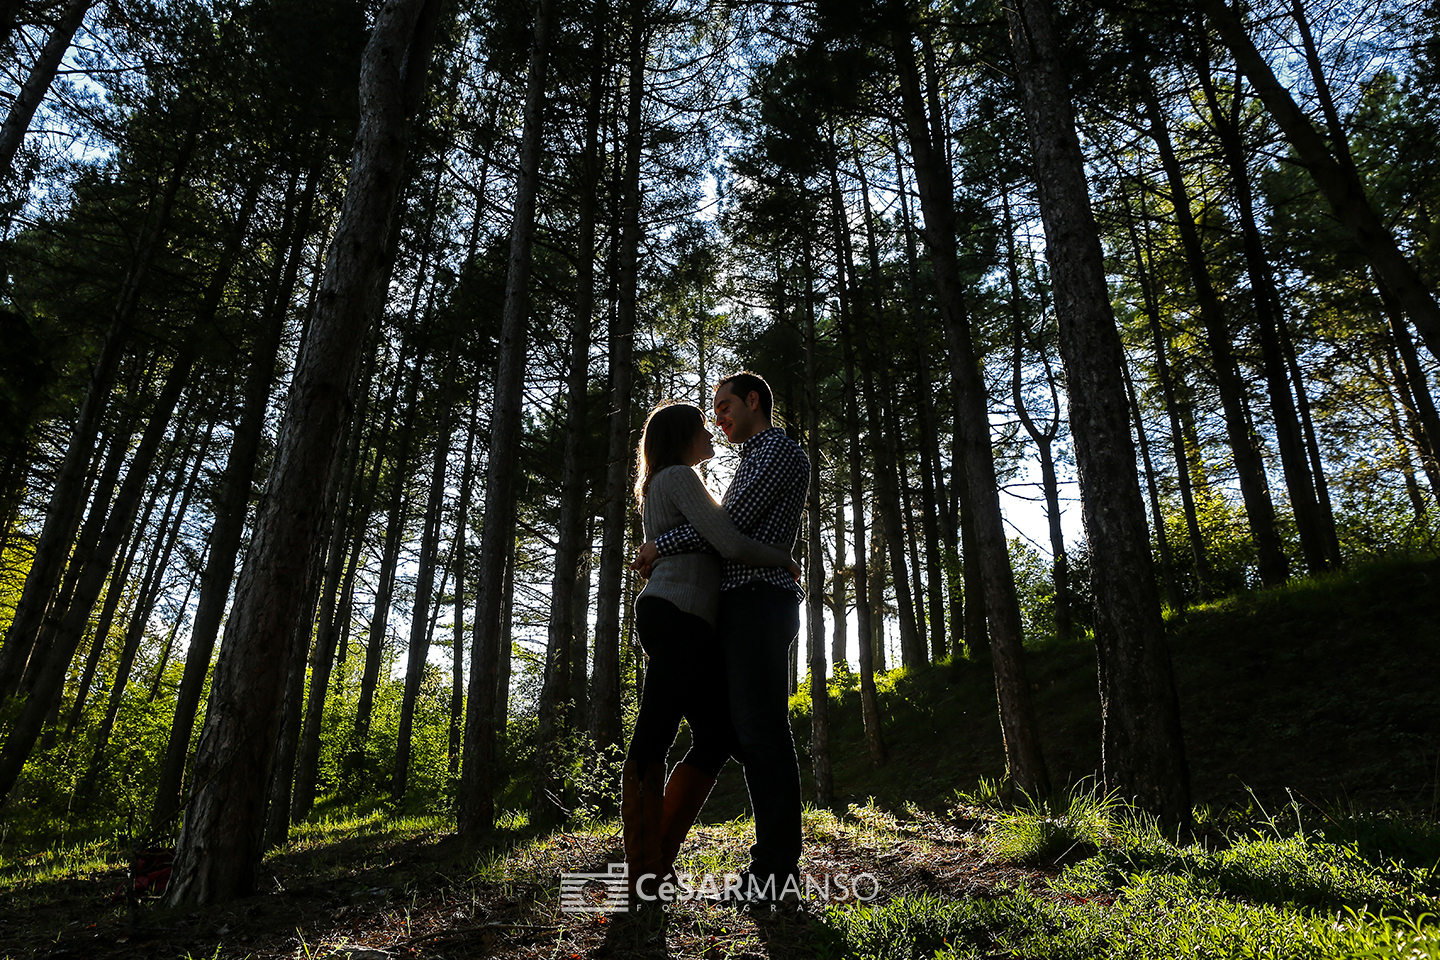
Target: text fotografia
[{"x": 608, "y": 892}]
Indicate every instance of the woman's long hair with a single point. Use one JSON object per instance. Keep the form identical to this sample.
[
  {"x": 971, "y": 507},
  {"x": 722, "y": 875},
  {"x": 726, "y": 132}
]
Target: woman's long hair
[{"x": 669, "y": 431}]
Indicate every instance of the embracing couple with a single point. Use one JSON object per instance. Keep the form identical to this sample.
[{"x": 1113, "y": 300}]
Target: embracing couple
[{"x": 716, "y": 619}]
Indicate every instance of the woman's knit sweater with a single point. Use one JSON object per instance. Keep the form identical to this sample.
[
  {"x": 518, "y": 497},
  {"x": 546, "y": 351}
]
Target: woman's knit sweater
[{"x": 691, "y": 581}]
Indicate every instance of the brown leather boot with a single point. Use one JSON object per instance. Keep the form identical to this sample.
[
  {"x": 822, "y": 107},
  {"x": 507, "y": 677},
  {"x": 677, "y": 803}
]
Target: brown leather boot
[
  {"x": 642, "y": 798},
  {"x": 631, "y": 803},
  {"x": 684, "y": 797}
]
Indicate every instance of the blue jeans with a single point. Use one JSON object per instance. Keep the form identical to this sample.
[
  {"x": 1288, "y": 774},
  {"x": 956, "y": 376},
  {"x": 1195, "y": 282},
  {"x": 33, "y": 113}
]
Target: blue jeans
[{"x": 757, "y": 624}]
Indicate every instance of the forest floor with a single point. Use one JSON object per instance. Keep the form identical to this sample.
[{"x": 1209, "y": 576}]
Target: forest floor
[
  {"x": 376, "y": 891},
  {"x": 1317, "y": 703}
]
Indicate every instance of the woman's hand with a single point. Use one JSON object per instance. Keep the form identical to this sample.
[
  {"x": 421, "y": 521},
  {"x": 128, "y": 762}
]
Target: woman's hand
[
  {"x": 794, "y": 569},
  {"x": 645, "y": 558}
]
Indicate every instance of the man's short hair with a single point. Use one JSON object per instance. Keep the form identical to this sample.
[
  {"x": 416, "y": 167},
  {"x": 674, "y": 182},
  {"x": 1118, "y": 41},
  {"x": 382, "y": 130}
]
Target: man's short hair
[{"x": 743, "y": 382}]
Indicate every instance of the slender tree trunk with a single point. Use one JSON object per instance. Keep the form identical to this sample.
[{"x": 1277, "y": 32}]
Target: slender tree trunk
[
  {"x": 580, "y": 663},
  {"x": 50, "y": 675},
  {"x": 389, "y": 561},
  {"x": 460, "y": 554},
  {"x": 159, "y": 678},
  {"x": 878, "y": 570},
  {"x": 1394, "y": 379},
  {"x": 282, "y": 773},
  {"x": 1407, "y": 465},
  {"x": 1266, "y": 303},
  {"x": 1162, "y": 539},
  {"x": 1002, "y": 608},
  {"x": 102, "y": 494},
  {"x": 839, "y": 600},
  {"x": 419, "y": 649},
  {"x": 334, "y": 606},
  {"x": 42, "y": 74},
  {"x": 507, "y": 648},
  {"x": 230, "y": 504},
  {"x": 221, "y": 844},
  {"x": 912, "y": 535},
  {"x": 168, "y": 534},
  {"x": 605, "y": 694},
  {"x": 114, "y": 592},
  {"x": 1179, "y": 448},
  {"x": 865, "y": 650},
  {"x": 815, "y": 562},
  {"x": 1143, "y": 753},
  {"x": 884, "y": 439},
  {"x": 476, "y": 808},
  {"x": 62, "y": 516},
  {"x": 1244, "y": 446},
  {"x": 556, "y": 709},
  {"x": 1312, "y": 445},
  {"x": 1414, "y": 381},
  {"x": 938, "y": 526},
  {"x": 1043, "y": 439}
]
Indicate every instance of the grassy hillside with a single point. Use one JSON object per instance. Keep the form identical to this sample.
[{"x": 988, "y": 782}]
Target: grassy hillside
[{"x": 1329, "y": 688}]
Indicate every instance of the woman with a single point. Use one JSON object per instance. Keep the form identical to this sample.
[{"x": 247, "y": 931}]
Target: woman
[{"x": 675, "y": 619}]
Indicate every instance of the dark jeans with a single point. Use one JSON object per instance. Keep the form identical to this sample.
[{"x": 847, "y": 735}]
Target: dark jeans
[
  {"x": 685, "y": 678},
  {"x": 758, "y": 622}
]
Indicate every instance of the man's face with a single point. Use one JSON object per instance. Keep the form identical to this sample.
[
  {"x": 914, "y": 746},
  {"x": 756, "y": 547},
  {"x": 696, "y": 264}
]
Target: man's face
[{"x": 738, "y": 418}]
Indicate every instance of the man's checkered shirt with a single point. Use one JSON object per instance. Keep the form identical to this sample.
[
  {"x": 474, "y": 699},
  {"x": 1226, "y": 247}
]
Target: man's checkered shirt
[{"x": 765, "y": 500}]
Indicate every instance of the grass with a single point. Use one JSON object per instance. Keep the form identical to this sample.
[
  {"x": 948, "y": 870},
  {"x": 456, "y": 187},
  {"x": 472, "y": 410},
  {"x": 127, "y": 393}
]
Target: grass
[{"x": 1258, "y": 893}]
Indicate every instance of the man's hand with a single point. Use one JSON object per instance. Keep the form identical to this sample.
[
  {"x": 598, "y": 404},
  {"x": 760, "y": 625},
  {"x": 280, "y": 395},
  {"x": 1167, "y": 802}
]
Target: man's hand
[
  {"x": 645, "y": 559},
  {"x": 794, "y": 569}
]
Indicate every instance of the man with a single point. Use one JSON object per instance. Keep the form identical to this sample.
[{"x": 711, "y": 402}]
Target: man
[{"x": 759, "y": 618}]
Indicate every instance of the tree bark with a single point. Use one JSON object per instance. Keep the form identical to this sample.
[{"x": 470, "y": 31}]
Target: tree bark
[
  {"x": 1143, "y": 754},
  {"x": 221, "y": 844},
  {"x": 476, "y": 808},
  {"x": 1002, "y": 608}
]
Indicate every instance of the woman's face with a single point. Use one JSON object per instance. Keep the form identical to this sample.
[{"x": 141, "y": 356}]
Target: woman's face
[{"x": 701, "y": 449}]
